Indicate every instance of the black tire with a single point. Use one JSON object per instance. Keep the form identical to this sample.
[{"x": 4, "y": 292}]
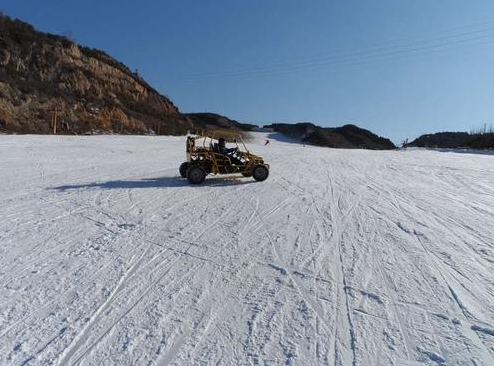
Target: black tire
[
  {"x": 183, "y": 169},
  {"x": 196, "y": 174},
  {"x": 260, "y": 172}
]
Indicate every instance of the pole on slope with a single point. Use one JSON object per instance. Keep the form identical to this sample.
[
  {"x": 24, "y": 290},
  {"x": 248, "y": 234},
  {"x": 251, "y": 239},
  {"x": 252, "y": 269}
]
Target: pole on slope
[{"x": 54, "y": 120}]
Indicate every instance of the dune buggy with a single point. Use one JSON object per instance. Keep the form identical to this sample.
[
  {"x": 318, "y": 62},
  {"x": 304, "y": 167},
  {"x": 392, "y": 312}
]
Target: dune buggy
[{"x": 203, "y": 157}]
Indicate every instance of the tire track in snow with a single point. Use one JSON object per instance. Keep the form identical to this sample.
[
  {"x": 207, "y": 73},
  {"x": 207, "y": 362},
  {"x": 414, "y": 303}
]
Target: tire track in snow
[
  {"x": 138, "y": 265},
  {"x": 34, "y": 314},
  {"x": 72, "y": 355},
  {"x": 245, "y": 263},
  {"x": 128, "y": 309},
  {"x": 455, "y": 288},
  {"x": 341, "y": 279},
  {"x": 407, "y": 343},
  {"x": 81, "y": 338},
  {"x": 449, "y": 284},
  {"x": 222, "y": 294},
  {"x": 334, "y": 236},
  {"x": 303, "y": 293},
  {"x": 46, "y": 254},
  {"x": 344, "y": 217}
]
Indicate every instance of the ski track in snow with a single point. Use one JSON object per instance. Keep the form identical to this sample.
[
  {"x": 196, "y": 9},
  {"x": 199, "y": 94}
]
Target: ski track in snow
[{"x": 341, "y": 257}]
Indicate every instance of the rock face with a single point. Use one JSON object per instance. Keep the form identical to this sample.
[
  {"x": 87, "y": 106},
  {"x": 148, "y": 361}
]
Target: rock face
[{"x": 43, "y": 76}]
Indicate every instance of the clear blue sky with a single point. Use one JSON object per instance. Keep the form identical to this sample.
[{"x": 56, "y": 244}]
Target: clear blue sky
[{"x": 399, "y": 68}]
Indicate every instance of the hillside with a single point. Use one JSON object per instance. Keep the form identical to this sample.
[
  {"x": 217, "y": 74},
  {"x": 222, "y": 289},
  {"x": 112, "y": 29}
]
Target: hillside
[
  {"x": 214, "y": 120},
  {"x": 347, "y": 136},
  {"x": 90, "y": 90},
  {"x": 484, "y": 140},
  {"x": 341, "y": 257}
]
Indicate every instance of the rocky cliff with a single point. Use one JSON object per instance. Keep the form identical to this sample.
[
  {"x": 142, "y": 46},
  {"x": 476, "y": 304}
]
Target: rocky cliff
[{"x": 46, "y": 78}]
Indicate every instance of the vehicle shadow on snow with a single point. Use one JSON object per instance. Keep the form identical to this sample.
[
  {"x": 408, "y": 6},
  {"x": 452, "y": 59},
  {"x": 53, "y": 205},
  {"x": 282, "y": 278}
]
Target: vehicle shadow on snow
[{"x": 157, "y": 183}]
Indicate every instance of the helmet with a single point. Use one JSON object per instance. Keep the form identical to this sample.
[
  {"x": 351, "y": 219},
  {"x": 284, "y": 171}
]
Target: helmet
[{"x": 221, "y": 140}]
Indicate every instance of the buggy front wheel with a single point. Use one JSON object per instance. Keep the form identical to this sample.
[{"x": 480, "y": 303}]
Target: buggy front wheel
[
  {"x": 260, "y": 172},
  {"x": 196, "y": 174}
]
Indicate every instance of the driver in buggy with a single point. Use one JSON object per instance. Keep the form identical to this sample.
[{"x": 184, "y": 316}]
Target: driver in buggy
[{"x": 223, "y": 149}]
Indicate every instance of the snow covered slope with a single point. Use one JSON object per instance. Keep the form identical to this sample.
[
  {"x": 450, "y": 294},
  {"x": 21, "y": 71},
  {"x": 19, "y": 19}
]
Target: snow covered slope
[{"x": 341, "y": 257}]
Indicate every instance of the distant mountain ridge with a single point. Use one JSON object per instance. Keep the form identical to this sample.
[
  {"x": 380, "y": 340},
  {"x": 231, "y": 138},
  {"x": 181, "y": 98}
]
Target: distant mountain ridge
[
  {"x": 348, "y": 136},
  {"x": 480, "y": 140},
  {"x": 209, "y": 121}
]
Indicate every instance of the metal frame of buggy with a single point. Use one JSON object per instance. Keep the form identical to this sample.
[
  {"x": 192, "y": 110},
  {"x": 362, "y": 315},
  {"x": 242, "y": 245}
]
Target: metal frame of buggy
[{"x": 210, "y": 160}]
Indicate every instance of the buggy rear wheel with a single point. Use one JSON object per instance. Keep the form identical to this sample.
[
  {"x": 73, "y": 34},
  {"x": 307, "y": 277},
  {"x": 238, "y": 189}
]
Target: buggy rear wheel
[
  {"x": 183, "y": 169},
  {"x": 260, "y": 172},
  {"x": 196, "y": 174}
]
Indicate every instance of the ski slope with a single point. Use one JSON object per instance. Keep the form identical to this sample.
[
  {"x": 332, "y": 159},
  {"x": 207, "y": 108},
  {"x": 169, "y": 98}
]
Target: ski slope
[{"x": 341, "y": 257}]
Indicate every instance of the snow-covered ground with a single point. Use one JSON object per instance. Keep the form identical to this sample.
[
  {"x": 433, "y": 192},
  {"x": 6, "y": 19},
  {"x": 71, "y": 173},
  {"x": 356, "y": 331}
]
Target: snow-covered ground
[{"x": 341, "y": 257}]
